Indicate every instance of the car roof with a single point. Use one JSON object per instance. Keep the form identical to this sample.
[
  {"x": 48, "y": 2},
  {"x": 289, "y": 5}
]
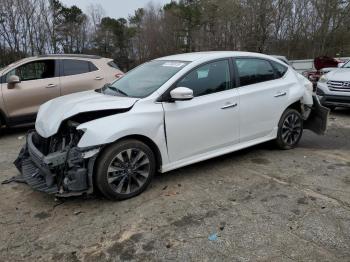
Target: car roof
[
  {"x": 53, "y": 56},
  {"x": 191, "y": 57},
  {"x": 71, "y": 56}
]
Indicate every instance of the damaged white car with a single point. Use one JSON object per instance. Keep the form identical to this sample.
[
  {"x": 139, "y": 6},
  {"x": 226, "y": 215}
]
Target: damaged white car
[{"x": 166, "y": 114}]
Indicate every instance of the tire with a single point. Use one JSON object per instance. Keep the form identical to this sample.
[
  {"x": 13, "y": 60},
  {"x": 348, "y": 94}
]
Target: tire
[
  {"x": 1, "y": 125},
  {"x": 332, "y": 108},
  {"x": 125, "y": 169},
  {"x": 290, "y": 129}
]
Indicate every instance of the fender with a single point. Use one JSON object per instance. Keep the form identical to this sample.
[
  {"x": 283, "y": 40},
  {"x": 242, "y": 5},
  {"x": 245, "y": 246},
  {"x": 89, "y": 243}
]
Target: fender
[{"x": 109, "y": 129}]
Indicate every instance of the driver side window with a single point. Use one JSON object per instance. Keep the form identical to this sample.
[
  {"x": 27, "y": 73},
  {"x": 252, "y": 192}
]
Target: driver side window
[
  {"x": 34, "y": 70},
  {"x": 208, "y": 79}
]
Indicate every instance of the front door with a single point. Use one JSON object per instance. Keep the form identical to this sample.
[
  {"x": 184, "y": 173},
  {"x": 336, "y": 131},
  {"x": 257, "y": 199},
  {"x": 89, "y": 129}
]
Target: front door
[
  {"x": 39, "y": 84},
  {"x": 209, "y": 121}
]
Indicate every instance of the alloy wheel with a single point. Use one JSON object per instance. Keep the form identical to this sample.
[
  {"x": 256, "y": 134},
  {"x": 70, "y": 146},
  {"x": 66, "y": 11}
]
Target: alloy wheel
[
  {"x": 128, "y": 171},
  {"x": 291, "y": 129}
]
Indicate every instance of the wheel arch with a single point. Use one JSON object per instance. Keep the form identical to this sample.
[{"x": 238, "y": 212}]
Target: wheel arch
[
  {"x": 297, "y": 106},
  {"x": 149, "y": 142}
]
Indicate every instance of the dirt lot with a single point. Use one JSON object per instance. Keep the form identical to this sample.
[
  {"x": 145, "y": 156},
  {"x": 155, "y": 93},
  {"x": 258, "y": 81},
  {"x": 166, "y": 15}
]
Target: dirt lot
[{"x": 263, "y": 204}]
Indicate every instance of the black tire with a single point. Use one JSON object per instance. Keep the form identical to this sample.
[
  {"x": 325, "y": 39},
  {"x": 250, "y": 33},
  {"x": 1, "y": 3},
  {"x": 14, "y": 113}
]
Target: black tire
[
  {"x": 1, "y": 125},
  {"x": 332, "y": 108},
  {"x": 125, "y": 169},
  {"x": 290, "y": 129}
]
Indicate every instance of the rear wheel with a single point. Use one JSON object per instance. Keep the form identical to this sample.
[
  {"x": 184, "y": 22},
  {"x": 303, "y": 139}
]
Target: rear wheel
[
  {"x": 125, "y": 169},
  {"x": 290, "y": 129}
]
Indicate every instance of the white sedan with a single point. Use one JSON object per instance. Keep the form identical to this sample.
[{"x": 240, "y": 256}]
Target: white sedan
[{"x": 165, "y": 114}]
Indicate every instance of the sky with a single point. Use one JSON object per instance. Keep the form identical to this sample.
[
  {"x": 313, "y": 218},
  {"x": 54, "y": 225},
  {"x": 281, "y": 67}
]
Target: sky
[{"x": 115, "y": 8}]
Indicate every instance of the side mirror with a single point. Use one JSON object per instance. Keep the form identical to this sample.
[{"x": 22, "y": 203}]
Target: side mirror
[
  {"x": 12, "y": 81},
  {"x": 341, "y": 65},
  {"x": 181, "y": 94}
]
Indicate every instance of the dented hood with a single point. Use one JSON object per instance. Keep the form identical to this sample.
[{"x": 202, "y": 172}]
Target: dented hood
[{"x": 54, "y": 112}]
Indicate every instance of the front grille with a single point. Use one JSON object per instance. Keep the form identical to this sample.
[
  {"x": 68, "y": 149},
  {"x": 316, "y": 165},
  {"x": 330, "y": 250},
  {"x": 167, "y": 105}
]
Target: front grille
[
  {"x": 342, "y": 86},
  {"x": 35, "y": 178}
]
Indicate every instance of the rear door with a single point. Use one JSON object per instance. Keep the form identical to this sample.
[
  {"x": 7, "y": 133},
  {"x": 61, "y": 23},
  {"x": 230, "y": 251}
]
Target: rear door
[
  {"x": 39, "y": 84},
  {"x": 79, "y": 75},
  {"x": 263, "y": 96}
]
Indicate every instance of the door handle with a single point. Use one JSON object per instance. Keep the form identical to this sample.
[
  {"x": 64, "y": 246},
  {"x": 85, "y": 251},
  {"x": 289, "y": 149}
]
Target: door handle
[
  {"x": 98, "y": 78},
  {"x": 229, "y": 106},
  {"x": 51, "y": 85},
  {"x": 281, "y": 94}
]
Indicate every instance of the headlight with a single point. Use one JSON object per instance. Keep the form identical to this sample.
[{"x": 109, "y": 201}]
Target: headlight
[{"x": 323, "y": 79}]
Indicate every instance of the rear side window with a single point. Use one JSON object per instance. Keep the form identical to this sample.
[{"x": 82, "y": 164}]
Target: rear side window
[
  {"x": 76, "y": 67},
  {"x": 281, "y": 70},
  {"x": 254, "y": 70},
  {"x": 92, "y": 67},
  {"x": 113, "y": 64}
]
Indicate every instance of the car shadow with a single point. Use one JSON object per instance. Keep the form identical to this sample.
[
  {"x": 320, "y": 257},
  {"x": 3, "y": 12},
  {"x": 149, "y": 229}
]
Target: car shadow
[{"x": 341, "y": 112}]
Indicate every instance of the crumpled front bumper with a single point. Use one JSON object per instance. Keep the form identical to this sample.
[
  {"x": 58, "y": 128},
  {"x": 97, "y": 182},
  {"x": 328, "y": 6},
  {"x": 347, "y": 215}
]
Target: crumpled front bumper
[{"x": 64, "y": 173}]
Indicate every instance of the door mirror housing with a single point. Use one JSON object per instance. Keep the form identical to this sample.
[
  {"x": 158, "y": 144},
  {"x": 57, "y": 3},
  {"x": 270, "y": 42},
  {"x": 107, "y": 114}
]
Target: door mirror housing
[
  {"x": 13, "y": 80},
  {"x": 181, "y": 94},
  {"x": 340, "y": 65}
]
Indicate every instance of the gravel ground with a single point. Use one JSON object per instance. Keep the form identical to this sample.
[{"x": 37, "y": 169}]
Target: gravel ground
[{"x": 259, "y": 204}]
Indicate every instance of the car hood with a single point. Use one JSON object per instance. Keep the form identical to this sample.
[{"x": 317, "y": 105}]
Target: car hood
[
  {"x": 325, "y": 61},
  {"x": 54, "y": 112},
  {"x": 341, "y": 74},
  {"x": 328, "y": 69}
]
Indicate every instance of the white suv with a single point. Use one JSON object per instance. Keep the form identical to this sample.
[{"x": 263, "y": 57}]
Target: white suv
[
  {"x": 333, "y": 88},
  {"x": 163, "y": 115}
]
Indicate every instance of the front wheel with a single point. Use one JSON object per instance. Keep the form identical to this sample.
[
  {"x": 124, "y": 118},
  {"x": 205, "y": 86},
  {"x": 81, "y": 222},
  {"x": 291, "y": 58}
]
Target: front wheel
[
  {"x": 125, "y": 169},
  {"x": 290, "y": 129}
]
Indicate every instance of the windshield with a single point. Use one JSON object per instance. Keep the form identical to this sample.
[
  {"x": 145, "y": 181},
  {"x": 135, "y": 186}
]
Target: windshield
[
  {"x": 347, "y": 65},
  {"x": 145, "y": 79}
]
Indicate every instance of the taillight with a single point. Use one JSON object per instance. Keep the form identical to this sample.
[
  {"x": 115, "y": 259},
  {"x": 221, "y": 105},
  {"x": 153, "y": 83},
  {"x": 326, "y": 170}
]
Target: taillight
[{"x": 119, "y": 75}]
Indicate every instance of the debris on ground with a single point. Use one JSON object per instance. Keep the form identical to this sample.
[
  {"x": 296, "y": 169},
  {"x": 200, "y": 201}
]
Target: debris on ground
[
  {"x": 213, "y": 237},
  {"x": 18, "y": 179}
]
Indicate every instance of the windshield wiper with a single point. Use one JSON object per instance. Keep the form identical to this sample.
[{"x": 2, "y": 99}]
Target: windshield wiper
[
  {"x": 117, "y": 90},
  {"x": 109, "y": 86}
]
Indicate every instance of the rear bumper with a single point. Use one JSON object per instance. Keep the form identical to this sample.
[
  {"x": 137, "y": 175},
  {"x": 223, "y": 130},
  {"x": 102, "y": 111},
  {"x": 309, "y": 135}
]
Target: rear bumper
[
  {"x": 65, "y": 173},
  {"x": 318, "y": 118}
]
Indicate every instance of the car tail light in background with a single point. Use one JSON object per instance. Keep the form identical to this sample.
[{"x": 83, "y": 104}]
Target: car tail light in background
[{"x": 119, "y": 75}]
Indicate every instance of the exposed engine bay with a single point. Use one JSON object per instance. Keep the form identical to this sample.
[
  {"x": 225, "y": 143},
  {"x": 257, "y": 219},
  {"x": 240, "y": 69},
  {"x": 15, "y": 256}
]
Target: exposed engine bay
[{"x": 56, "y": 165}]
